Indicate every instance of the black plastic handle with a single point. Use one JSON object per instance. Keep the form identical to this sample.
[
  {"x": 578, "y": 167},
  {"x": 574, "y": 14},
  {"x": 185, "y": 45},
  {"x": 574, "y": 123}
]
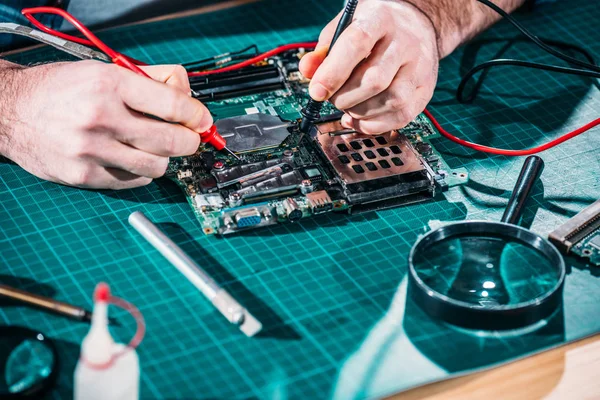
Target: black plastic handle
[
  {"x": 530, "y": 173},
  {"x": 345, "y": 20}
]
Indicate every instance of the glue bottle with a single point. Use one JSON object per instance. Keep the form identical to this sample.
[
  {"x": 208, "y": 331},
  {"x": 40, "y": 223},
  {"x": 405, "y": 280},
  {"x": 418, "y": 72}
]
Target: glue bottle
[{"x": 106, "y": 370}]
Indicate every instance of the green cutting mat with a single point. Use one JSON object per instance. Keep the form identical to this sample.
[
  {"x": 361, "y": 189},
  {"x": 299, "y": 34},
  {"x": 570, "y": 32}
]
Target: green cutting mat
[{"x": 330, "y": 292}]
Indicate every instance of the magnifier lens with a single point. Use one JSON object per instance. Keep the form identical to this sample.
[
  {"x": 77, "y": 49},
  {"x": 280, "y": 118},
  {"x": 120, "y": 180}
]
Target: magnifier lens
[
  {"x": 486, "y": 271},
  {"x": 26, "y": 362}
]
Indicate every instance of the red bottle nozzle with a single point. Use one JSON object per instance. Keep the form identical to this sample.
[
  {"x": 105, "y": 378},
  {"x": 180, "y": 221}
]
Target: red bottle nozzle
[{"x": 102, "y": 292}]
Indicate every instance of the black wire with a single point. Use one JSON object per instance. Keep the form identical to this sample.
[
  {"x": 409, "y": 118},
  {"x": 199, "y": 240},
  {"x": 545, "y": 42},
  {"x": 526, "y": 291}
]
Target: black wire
[
  {"x": 214, "y": 59},
  {"x": 515, "y": 63},
  {"x": 537, "y": 40},
  {"x": 218, "y": 63},
  {"x": 588, "y": 69}
]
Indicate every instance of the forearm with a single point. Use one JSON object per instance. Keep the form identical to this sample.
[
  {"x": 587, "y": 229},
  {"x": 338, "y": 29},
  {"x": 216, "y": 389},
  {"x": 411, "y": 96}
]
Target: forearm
[
  {"x": 457, "y": 21},
  {"x": 8, "y": 92}
]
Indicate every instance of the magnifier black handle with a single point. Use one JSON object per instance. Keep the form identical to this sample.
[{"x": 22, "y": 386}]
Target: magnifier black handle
[{"x": 530, "y": 173}]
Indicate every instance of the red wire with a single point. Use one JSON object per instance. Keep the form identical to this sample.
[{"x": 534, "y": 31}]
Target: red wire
[
  {"x": 128, "y": 62},
  {"x": 139, "y": 320},
  {"x": 92, "y": 40},
  {"x": 513, "y": 153},
  {"x": 256, "y": 59}
]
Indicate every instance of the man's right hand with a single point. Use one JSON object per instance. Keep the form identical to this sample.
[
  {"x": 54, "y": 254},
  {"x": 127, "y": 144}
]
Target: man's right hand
[{"x": 90, "y": 125}]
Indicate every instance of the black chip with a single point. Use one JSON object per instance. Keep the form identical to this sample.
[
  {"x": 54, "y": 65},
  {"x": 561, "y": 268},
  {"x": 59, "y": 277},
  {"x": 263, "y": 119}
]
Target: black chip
[
  {"x": 398, "y": 162},
  {"x": 370, "y": 155},
  {"x": 381, "y": 140},
  {"x": 355, "y": 145},
  {"x": 313, "y": 174},
  {"x": 383, "y": 152},
  {"x": 395, "y": 149},
  {"x": 358, "y": 169},
  {"x": 342, "y": 147},
  {"x": 356, "y": 157},
  {"x": 207, "y": 184},
  {"x": 368, "y": 143},
  {"x": 344, "y": 159},
  {"x": 371, "y": 166},
  {"x": 384, "y": 164}
]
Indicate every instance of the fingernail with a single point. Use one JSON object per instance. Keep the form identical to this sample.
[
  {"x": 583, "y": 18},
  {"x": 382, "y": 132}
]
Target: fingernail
[
  {"x": 346, "y": 121},
  {"x": 318, "y": 92}
]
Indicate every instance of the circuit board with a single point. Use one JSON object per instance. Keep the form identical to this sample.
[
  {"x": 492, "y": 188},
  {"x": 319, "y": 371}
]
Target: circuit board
[
  {"x": 284, "y": 175},
  {"x": 581, "y": 235}
]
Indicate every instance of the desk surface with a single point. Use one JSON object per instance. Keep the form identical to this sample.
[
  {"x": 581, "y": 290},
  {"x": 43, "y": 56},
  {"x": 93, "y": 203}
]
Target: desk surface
[
  {"x": 568, "y": 372},
  {"x": 323, "y": 288}
]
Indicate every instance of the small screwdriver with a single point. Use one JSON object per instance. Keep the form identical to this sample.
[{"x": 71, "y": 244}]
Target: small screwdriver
[
  {"x": 47, "y": 304},
  {"x": 312, "y": 111}
]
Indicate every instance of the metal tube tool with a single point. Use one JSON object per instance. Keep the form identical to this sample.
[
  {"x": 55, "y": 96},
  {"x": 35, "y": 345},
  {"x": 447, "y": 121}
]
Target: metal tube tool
[{"x": 220, "y": 298}]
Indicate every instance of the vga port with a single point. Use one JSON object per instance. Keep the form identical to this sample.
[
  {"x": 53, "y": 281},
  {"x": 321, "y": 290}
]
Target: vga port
[{"x": 249, "y": 217}]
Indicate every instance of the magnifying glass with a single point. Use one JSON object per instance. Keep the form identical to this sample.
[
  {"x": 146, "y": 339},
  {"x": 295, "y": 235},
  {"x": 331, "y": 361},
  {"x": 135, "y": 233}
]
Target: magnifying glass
[
  {"x": 489, "y": 275},
  {"x": 28, "y": 363}
]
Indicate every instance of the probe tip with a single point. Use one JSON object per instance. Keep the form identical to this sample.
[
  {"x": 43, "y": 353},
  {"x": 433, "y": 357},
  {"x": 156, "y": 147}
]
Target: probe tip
[{"x": 232, "y": 153}]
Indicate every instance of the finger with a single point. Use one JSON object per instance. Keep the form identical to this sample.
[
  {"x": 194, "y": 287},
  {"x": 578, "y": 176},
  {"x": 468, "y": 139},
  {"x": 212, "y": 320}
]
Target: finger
[
  {"x": 156, "y": 137},
  {"x": 391, "y": 120},
  {"x": 312, "y": 61},
  {"x": 126, "y": 158},
  {"x": 118, "y": 179},
  {"x": 172, "y": 75},
  {"x": 397, "y": 97},
  {"x": 93, "y": 176},
  {"x": 156, "y": 98},
  {"x": 371, "y": 77},
  {"x": 353, "y": 46}
]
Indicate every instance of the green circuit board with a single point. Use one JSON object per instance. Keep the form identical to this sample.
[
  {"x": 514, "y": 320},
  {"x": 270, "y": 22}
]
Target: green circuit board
[{"x": 284, "y": 175}]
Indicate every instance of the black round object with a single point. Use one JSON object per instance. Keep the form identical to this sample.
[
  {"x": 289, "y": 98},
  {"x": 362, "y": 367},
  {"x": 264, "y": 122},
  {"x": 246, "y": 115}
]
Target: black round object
[
  {"x": 295, "y": 216},
  {"x": 424, "y": 148},
  {"x": 28, "y": 363},
  {"x": 489, "y": 275},
  {"x": 486, "y": 275}
]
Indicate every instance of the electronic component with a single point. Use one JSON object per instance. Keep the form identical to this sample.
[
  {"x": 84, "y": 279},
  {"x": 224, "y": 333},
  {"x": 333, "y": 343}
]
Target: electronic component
[
  {"x": 319, "y": 202},
  {"x": 580, "y": 235},
  {"x": 363, "y": 162},
  {"x": 248, "y": 217},
  {"x": 253, "y": 132},
  {"x": 242, "y": 82},
  {"x": 292, "y": 210}
]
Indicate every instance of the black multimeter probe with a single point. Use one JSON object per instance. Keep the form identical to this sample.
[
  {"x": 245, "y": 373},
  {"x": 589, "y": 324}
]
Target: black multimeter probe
[{"x": 312, "y": 112}]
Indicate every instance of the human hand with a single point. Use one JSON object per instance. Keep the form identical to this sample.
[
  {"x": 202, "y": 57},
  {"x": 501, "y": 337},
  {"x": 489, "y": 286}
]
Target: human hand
[
  {"x": 382, "y": 70},
  {"x": 88, "y": 124}
]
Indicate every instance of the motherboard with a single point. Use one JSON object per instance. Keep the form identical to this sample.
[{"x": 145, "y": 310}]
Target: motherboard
[{"x": 284, "y": 175}]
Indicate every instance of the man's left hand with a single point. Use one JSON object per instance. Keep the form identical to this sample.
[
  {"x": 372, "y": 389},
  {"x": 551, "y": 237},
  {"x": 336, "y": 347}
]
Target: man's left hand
[{"x": 382, "y": 70}]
